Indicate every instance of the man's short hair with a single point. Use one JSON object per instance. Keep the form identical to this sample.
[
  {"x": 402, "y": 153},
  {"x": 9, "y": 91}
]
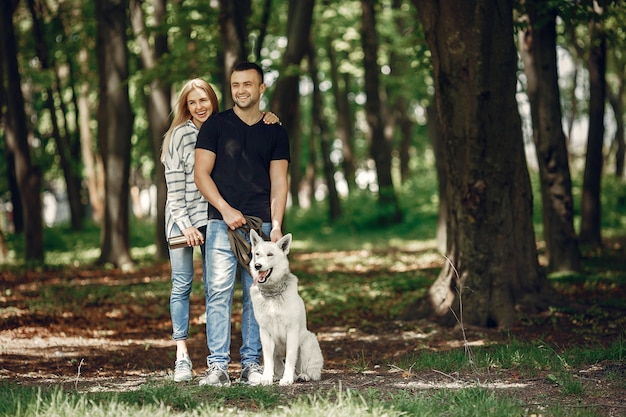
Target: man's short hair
[{"x": 245, "y": 66}]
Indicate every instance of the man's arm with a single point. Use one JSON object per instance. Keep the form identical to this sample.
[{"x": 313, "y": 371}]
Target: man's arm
[
  {"x": 278, "y": 196},
  {"x": 204, "y": 163}
]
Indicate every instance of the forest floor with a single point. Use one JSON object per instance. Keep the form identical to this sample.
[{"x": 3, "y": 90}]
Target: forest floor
[{"x": 119, "y": 347}]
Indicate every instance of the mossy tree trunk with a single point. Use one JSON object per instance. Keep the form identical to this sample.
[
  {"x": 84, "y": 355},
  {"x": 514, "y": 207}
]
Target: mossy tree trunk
[{"x": 493, "y": 269}]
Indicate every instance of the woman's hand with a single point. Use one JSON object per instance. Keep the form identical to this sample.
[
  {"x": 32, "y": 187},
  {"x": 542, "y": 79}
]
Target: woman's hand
[
  {"x": 270, "y": 118},
  {"x": 194, "y": 237}
]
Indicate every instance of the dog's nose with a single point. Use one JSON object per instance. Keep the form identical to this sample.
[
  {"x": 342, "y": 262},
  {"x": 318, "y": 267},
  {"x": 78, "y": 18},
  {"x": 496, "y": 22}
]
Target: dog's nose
[{"x": 257, "y": 266}]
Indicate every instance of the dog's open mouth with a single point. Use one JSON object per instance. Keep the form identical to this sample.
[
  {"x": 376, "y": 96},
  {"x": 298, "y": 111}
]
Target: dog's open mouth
[{"x": 263, "y": 276}]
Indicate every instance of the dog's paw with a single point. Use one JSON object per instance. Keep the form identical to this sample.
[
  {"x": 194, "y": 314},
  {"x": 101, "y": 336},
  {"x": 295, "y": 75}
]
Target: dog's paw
[
  {"x": 267, "y": 379},
  {"x": 303, "y": 377},
  {"x": 285, "y": 381}
]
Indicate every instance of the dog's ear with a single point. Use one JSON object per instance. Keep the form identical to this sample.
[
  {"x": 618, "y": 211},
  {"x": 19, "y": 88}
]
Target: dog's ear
[
  {"x": 284, "y": 243},
  {"x": 255, "y": 239}
]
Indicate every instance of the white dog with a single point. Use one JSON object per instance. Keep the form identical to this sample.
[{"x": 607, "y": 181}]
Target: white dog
[{"x": 280, "y": 312}]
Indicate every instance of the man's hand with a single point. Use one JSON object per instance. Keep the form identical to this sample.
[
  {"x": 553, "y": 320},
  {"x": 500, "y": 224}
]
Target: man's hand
[
  {"x": 276, "y": 234},
  {"x": 233, "y": 218}
]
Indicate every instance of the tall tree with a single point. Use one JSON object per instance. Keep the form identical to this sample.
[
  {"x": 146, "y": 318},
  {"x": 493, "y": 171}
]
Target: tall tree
[
  {"x": 115, "y": 122},
  {"x": 380, "y": 147},
  {"x": 493, "y": 266},
  {"x": 233, "y": 20},
  {"x": 62, "y": 140},
  {"x": 28, "y": 176},
  {"x": 286, "y": 98},
  {"x": 538, "y": 52},
  {"x": 320, "y": 129},
  {"x": 345, "y": 116},
  {"x": 590, "y": 211},
  {"x": 158, "y": 101}
]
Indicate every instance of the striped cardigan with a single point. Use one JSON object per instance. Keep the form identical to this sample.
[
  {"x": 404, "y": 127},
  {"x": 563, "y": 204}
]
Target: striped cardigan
[{"x": 185, "y": 206}]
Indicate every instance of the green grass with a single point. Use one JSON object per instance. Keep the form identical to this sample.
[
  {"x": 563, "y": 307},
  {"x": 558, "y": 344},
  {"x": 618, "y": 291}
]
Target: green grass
[{"x": 157, "y": 400}]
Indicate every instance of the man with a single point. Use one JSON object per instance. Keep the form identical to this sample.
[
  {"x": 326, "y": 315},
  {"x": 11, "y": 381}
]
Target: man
[{"x": 241, "y": 168}]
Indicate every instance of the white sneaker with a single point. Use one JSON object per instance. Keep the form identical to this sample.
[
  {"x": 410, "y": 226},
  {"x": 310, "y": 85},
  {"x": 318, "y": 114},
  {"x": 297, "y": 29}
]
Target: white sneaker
[
  {"x": 182, "y": 369},
  {"x": 216, "y": 376},
  {"x": 251, "y": 374}
]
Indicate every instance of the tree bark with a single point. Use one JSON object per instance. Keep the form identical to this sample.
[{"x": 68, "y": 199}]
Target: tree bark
[
  {"x": 436, "y": 141},
  {"x": 398, "y": 97},
  {"x": 493, "y": 270},
  {"x": 538, "y": 51},
  {"x": 115, "y": 121},
  {"x": 61, "y": 140},
  {"x": 233, "y": 21},
  {"x": 320, "y": 129},
  {"x": 28, "y": 177},
  {"x": 345, "y": 117},
  {"x": 617, "y": 104},
  {"x": 380, "y": 147},
  {"x": 92, "y": 161},
  {"x": 590, "y": 212},
  {"x": 286, "y": 98},
  {"x": 158, "y": 106}
]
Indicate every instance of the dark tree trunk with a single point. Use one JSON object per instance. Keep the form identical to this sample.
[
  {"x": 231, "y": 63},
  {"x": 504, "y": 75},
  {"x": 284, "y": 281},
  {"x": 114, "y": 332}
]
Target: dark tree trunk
[
  {"x": 590, "y": 228},
  {"x": 345, "y": 118},
  {"x": 158, "y": 107},
  {"x": 436, "y": 141},
  {"x": 61, "y": 140},
  {"x": 286, "y": 98},
  {"x": 617, "y": 104},
  {"x": 493, "y": 269},
  {"x": 267, "y": 8},
  {"x": 320, "y": 128},
  {"x": 400, "y": 68},
  {"x": 380, "y": 148},
  {"x": 538, "y": 51},
  {"x": 28, "y": 177},
  {"x": 115, "y": 121},
  {"x": 16, "y": 201},
  {"x": 233, "y": 21}
]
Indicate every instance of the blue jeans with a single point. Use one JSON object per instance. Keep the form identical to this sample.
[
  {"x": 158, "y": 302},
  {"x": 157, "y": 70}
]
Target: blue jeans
[
  {"x": 181, "y": 260},
  {"x": 219, "y": 286}
]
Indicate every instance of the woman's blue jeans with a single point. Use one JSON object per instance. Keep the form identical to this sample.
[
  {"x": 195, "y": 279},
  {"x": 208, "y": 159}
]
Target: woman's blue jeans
[
  {"x": 181, "y": 260},
  {"x": 219, "y": 275}
]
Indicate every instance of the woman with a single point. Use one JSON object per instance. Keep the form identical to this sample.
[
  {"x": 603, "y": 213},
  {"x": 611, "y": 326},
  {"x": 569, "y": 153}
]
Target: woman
[{"x": 185, "y": 208}]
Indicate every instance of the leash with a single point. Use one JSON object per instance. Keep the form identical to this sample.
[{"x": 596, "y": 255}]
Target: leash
[{"x": 239, "y": 239}]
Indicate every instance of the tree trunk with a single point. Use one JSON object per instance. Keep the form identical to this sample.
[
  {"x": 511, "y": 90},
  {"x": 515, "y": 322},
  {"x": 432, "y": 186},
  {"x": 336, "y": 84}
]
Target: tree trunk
[
  {"x": 286, "y": 98},
  {"x": 493, "y": 269},
  {"x": 590, "y": 212},
  {"x": 400, "y": 71},
  {"x": 320, "y": 128},
  {"x": 617, "y": 104},
  {"x": 28, "y": 177},
  {"x": 158, "y": 107},
  {"x": 233, "y": 21},
  {"x": 345, "y": 118},
  {"x": 436, "y": 141},
  {"x": 380, "y": 148},
  {"x": 538, "y": 51},
  {"x": 92, "y": 161},
  {"x": 61, "y": 140},
  {"x": 267, "y": 8},
  {"x": 115, "y": 122}
]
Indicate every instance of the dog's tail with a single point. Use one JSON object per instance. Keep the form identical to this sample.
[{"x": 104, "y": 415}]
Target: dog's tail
[{"x": 311, "y": 360}]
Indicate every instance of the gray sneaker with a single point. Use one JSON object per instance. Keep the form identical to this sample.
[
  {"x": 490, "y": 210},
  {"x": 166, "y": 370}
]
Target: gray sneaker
[
  {"x": 251, "y": 374},
  {"x": 216, "y": 376},
  {"x": 182, "y": 369}
]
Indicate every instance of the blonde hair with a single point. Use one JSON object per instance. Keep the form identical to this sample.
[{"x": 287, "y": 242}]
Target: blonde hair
[{"x": 181, "y": 112}]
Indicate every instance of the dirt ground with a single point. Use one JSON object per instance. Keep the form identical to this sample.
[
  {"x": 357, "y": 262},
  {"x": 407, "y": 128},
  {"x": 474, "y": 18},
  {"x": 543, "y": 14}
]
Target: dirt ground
[{"x": 116, "y": 348}]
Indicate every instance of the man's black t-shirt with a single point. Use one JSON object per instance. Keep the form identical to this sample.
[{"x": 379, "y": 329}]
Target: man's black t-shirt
[{"x": 242, "y": 163}]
